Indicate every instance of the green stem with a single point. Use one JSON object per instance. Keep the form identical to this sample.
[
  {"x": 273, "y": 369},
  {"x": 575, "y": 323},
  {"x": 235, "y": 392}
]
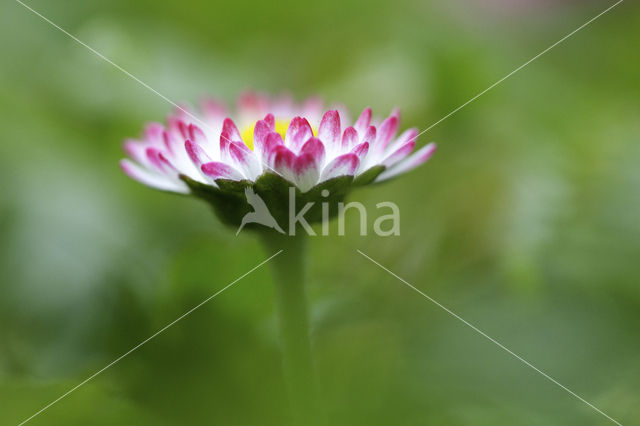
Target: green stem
[{"x": 293, "y": 324}]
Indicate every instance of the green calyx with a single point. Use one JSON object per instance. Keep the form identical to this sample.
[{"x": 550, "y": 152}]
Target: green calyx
[{"x": 229, "y": 198}]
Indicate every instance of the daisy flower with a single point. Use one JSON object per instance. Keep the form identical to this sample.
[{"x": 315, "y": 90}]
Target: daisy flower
[
  {"x": 254, "y": 170},
  {"x": 296, "y": 142}
]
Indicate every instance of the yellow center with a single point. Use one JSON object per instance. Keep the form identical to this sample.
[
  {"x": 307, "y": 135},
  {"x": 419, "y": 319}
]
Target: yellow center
[
  {"x": 247, "y": 132},
  {"x": 281, "y": 128}
]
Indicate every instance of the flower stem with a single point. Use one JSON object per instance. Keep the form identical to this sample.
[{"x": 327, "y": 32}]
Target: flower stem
[{"x": 293, "y": 324}]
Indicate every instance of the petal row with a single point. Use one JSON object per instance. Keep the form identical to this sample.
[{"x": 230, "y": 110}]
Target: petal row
[{"x": 301, "y": 155}]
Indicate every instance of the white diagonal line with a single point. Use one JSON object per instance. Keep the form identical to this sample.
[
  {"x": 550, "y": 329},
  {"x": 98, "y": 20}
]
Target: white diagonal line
[
  {"x": 519, "y": 68},
  {"x": 148, "y": 338},
  {"x": 491, "y": 339},
  {"x": 101, "y": 56}
]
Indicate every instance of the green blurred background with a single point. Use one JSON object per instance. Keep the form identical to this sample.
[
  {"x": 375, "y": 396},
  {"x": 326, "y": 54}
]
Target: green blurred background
[{"x": 525, "y": 222}]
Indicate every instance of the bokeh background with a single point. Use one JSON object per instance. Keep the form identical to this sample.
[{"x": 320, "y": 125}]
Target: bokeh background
[{"x": 525, "y": 222}]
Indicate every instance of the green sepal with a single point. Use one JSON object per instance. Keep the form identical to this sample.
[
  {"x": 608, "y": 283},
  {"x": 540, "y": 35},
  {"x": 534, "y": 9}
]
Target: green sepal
[
  {"x": 230, "y": 205},
  {"x": 228, "y": 200},
  {"x": 369, "y": 175}
]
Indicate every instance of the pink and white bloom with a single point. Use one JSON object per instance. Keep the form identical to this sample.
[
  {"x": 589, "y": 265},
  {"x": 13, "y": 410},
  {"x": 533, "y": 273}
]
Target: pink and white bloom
[{"x": 295, "y": 141}]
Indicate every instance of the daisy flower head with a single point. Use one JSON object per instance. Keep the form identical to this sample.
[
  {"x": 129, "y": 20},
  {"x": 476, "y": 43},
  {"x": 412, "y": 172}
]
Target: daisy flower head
[{"x": 270, "y": 145}]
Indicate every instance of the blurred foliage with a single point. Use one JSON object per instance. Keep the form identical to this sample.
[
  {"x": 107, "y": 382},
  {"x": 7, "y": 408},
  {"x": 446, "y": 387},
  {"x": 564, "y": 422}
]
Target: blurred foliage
[{"x": 525, "y": 222}]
